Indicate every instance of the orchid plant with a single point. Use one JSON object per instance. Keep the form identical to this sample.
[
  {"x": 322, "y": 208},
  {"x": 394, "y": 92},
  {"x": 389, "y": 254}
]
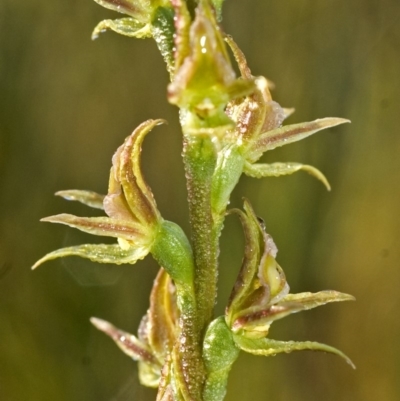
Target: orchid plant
[{"x": 228, "y": 123}]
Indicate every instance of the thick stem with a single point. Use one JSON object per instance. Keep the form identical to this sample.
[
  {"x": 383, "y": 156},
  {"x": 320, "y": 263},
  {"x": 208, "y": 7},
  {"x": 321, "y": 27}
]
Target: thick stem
[{"x": 200, "y": 161}]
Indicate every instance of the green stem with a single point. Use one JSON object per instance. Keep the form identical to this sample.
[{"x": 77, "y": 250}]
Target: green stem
[
  {"x": 200, "y": 160},
  {"x": 172, "y": 250}
]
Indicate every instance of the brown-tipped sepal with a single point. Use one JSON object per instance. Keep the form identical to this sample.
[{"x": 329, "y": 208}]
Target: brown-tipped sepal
[
  {"x": 271, "y": 139},
  {"x": 128, "y": 192},
  {"x": 261, "y": 294},
  {"x": 133, "y": 217},
  {"x": 261, "y": 280}
]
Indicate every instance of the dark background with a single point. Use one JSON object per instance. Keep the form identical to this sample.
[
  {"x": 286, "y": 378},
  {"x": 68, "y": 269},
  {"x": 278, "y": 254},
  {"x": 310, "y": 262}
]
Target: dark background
[{"x": 67, "y": 103}]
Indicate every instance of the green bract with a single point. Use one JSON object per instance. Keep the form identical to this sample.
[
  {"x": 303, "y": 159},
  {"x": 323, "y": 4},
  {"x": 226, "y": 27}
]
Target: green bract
[{"x": 228, "y": 123}]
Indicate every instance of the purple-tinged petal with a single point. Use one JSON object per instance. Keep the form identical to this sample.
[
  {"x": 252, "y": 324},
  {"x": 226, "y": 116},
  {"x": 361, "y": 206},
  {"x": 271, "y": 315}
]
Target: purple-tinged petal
[
  {"x": 127, "y": 342},
  {"x": 103, "y": 226},
  {"x": 115, "y": 204},
  {"x": 288, "y": 134}
]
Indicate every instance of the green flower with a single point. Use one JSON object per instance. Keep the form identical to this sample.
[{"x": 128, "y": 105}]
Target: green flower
[
  {"x": 261, "y": 295},
  {"x": 258, "y": 126},
  {"x": 205, "y": 80},
  {"x": 133, "y": 217}
]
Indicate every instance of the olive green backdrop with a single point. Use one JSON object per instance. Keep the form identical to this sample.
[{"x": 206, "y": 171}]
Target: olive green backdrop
[{"x": 66, "y": 103}]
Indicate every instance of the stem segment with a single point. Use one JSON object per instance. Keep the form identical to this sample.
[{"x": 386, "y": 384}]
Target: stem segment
[{"x": 200, "y": 160}]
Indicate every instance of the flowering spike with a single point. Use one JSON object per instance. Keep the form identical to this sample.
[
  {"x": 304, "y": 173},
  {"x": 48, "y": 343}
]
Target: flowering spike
[
  {"x": 88, "y": 198},
  {"x": 278, "y": 169}
]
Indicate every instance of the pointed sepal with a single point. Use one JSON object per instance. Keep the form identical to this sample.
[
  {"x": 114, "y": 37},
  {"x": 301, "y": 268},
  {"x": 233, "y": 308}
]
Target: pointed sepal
[
  {"x": 258, "y": 170},
  {"x": 138, "y": 9},
  {"x": 309, "y": 300},
  {"x": 88, "y": 198},
  {"x": 127, "y": 342},
  {"x": 124, "y": 26},
  {"x": 99, "y": 253},
  {"x": 285, "y": 135},
  {"x": 103, "y": 226},
  {"x": 268, "y": 347}
]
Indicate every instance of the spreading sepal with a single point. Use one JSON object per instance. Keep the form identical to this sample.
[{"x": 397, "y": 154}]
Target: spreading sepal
[
  {"x": 258, "y": 170},
  {"x": 88, "y": 198},
  {"x": 124, "y": 26},
  {"x": 267, "y": 347},
  {"x": 258, "y": 125},
  {"x": 261, "y": 295},
  {"x": 133, "y": 217}
]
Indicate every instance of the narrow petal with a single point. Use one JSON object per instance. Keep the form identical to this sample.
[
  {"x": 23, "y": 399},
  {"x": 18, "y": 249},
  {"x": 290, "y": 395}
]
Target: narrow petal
[
  {"x": 88, "y": 198},
  {"x": 240, "y": 58},
  {"x": 258, "y": 170},
  {"x": 127, "y": 342},
  {"x": 255, "y": 321},
  {"x": 124, "y": 26},
  {"x": 267, "y": 347},
  {"x": 288, "y": 134},
  {"x": 260, "y": 320},
  {"x": 309, "y": 300},
  {"x": 115, "y": 204},
  {"x": 99, "y": 253},
  {"x": 104, "y": 226}
]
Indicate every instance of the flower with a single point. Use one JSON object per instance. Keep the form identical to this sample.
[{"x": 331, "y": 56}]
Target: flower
[
  {"x": 261, "y": 295},
  {"x": 133, "y": 217},
  {"x": 258, "y": 126},
  {"x": 156, "y": 335}
]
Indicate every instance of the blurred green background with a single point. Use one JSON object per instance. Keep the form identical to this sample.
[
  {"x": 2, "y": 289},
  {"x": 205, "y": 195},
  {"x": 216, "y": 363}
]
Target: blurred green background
[{"x": 66, "y": 103}]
